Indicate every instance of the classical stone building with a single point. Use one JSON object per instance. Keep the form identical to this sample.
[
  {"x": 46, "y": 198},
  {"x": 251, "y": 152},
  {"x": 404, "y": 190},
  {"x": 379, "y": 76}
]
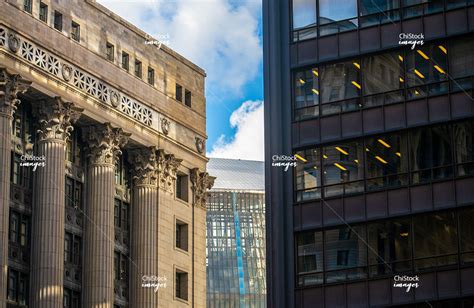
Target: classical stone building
[{"x": 102, "y": 162}]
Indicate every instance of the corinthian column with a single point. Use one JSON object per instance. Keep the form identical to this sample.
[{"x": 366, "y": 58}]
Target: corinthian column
[
  {"x": 10, "y": 87},
  {"x": 144, "y": 241},
  {"x": 55, "y": 118},
  {"x": 104, "y": 143}
]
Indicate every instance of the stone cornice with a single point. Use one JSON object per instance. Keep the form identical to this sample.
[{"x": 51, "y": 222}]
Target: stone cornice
[
  {"x": 104, "y": 143},
  {"x": 10, "y": 86},
  {"x": 55, "y": 118},
  {"x": 201, "y": 183}
]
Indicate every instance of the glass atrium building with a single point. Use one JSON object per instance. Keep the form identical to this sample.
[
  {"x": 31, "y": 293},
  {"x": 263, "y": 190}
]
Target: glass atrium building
[{"x": 236, "y": 234}]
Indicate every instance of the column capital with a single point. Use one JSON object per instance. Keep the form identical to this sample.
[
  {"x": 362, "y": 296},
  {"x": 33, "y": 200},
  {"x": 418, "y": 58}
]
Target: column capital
[
  {"x": 202, "y": 182},
  {"x": 10, "y": 86},
  {"x": 55, "y": 118},
  {"x": 145, "y": 166},
  {"x": 167, "y": 167},
  {"x": 104, "y": 142}
]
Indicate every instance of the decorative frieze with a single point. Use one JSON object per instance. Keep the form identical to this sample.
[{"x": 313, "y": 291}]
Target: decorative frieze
[
  {"x": 202, "y": 182},
  {"x": 10, "y": 86},
  {"x": 104, "y": 143},
  {"x": 55, "y": 118},
  {"x": 168, "y": 167}
]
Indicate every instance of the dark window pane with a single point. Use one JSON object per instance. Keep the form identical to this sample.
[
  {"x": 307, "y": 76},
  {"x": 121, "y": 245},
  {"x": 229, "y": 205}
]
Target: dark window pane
[
  {"x": 335, "y": 10},
  {"x": 304, "y": 13},
  {"x": 110, "y": 52},
  {"x": 310, "y": 252},
  {"x": 308, "y": 174},
  {"x": 58, "y": 21},
  {"x": 435, "y": 235},
  {"x": 340, "y": 81},
  {"x": 179, "y": 93},
  {"x": 376, "y": 6},
  {"x": 382, "y": 73},
  {"x": 425, "y": 65},
  {"x": 43, "y": 12},
  {"x": 461, "y": 57},
  {"x": 464, "y": 145},
  {"x": 466, "y": 218},
  {"x": 387, "y": 155},
  {"x": 306, "y": 94}
]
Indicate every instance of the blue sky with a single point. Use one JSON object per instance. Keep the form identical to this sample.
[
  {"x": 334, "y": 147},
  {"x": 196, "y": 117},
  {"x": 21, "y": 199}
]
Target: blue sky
[{"x": 225, "y": 38}]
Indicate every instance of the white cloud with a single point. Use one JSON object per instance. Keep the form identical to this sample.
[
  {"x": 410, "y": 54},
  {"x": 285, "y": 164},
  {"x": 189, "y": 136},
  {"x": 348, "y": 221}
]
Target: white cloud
[
  {"x": 248, "y": 142},
  {"x": 219, "y": 35}
]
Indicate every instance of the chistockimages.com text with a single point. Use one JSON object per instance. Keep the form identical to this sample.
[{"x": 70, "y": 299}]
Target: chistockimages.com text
[
  {"x": 411, "y": 39},
  {"x": 407, "y": 282},
  {"x": 32, "y": 161},
  {"x": 154, "y": 282},
  {"x": 284, "y": 161}
]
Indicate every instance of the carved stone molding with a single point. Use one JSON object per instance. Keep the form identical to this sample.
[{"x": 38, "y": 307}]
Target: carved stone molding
[
  {"x": 13, "y": 42},
  {"x": 144, "y": 162},
  {"x": 66, "y": 71},
  {"x": 168, "y": 167},
  {"x": 165, "y": 125},
  {"x": 55, "y": 118},
  {"x": 10, "y": 86},
  {"x": 200, "y": 145},
  {"x": 104, "y": 143},
  {"x": 202, "y": 182}
]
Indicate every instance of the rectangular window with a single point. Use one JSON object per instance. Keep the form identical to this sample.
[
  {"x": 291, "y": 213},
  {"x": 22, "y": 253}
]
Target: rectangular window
[
  {"x": 383, "y": 73},
  {"x": 187, "y": 98},
  {"x": 181, "y": 235},
  {"x": 14, "y": 226},
  {"x": 75, "y": 31},
  {"x": 71, "y": 298},
  {"x": 306, "y": 94},
  {"x": 179, "y": 93},
  {"x": 27, "y": 6},
  {"x": 337, "y": 16},
  {"x": 138, "y": 69},
  {"x": 151, "y": 76},
  {"x": 17, "y": 289},
  {"x": 125, "y": 60},
  {"x": 68, "y": 247},
  {"x": 464, "y": 145},
  {"x": 342, "y": 257},
  {"x": 73, "y": 193},
  {"x": 16, "y": 170},
  {"x": 181, "y": 285},
  {"x": 110, "y": 51},
  {"x": 120, "y": 266},
  {"x": 461, "y": 57},
  {"x": 310, "y": 258},
  {"x": 368, "y": 7},
  {"x": 58, "y": 21},
  {"x": 182, "y": 187},
  {"x": 308, "y": 175},
  {"x": 43, "y": 12},
  {"x": 121, "y": 215}
]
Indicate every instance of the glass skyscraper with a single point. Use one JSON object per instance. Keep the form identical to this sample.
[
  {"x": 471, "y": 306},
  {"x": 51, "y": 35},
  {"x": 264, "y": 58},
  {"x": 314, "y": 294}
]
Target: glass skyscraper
[{"x": 236, "y": 234}]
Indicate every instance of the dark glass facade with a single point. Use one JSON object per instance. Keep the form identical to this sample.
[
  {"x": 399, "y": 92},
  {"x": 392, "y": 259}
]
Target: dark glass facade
[
  {"x": 235, "y": 238},
  {"x": 384, "y": 136}
]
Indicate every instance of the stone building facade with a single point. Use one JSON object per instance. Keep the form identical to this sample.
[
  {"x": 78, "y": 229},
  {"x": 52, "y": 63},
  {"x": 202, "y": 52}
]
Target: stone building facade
[{"x": 102, "y": 162}]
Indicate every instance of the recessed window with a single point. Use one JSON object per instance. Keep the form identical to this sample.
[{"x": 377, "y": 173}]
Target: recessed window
[
  {"x": 182, "y": 187},
  {"x": 73, "y": 193},
  {"x": 75, "y": 31},
  {"x": 181, "y": 285},
  {"x": 120, "y": 266},
  {"x": 58, "y": 21},
  {"x": 19, "y": 229},
  {"x": 187, "y": 98},
  {"x": 43, "y": 12},
  {"x": 151, "y": 76},
  {"x": 71, "y": 299},
  {"x": 179, "y": 93},
  {"x": 110, "y": 51},
  {"x": 17, "y": 287},
  {"x": 121, "y": 215},
  {"x": 27, "y": 6},
  {"x": 125, "y": 60},
  {"x": 138, "y": 69},
  {"x": 72, "y": 249},
  {"x": 181, "y": 235}
]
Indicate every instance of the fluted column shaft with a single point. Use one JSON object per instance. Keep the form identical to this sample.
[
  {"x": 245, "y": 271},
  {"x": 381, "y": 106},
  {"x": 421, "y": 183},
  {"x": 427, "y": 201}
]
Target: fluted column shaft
[
  {"x": 47, "y": 265},
  {"x": 104, "y": 143},
  {"x": 5, "y": 161},
  {"x": 144, "y": 235},
  {"x": 10, "y": 86}
]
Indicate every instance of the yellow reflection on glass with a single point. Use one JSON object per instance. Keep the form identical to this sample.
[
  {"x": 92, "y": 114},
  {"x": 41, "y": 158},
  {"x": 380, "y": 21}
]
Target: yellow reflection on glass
[
  {"x": 342, "y": 151},
  {"x": 401, "y": 79},
  {"x": 356, "y": 84},
  {"x": 302, "y": 81},
  {"x": 325, "y": 156},
  {"x": 404, "y": 234},
  {"x": 398, "y": 154},
  {"x": 315, "y": 72},
  {"x": 315, "y": 91},
  {"x": 421, "y": 53},
  {"x": 340, "y": 166},
  {"x": 381, "y": 141},
  {"x": 419, "y": 74},
  {"x": 380, "y": 159},
  {"x": 356, "y": 161},
  {"x": 356, "y": 65},
  {"x": 443, "y": 49},
  {"x": 417, "y": 93},
  {"x": 439, "y": 69},
  {"x": 400, "y": 58},
  {"x": 300, "y": 158}
]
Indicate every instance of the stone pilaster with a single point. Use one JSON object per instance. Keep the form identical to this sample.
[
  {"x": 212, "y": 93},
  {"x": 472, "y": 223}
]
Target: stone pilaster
[
  {"x": 144, "y": 241},
  {"x": 55, "y": 118},
  {"x": 104, "y": 144},
  {"x": 10, "y": 86}
]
